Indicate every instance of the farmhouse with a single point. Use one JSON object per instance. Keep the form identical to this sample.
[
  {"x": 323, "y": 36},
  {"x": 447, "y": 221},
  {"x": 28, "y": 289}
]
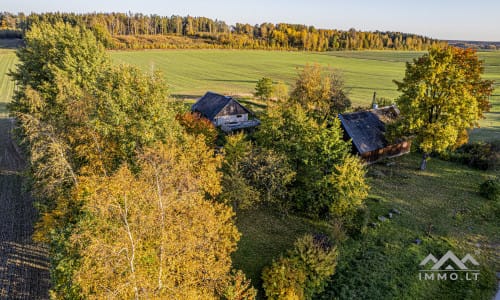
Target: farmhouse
[
  {"x": 366, "y": 130},
  {"x": 225, "y": 112}
]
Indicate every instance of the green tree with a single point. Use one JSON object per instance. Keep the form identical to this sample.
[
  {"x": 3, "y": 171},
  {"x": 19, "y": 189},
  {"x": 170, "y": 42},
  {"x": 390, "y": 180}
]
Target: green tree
[
  {"x": 264, "y": 88},
  {"x": 236, "y": 189},
  {"x": 51, "y": 52},
  {"x": 271, "y": 174},
  {"x": 443, "y": 96},
  {"x": 339, "y": 99},
  {"x": 131, "y": 111},
  {"x": 316, "y": 153}
]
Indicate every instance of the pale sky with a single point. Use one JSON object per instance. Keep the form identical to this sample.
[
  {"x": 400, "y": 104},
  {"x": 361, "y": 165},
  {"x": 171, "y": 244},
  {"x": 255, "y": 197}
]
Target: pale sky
[{"x": 443, "y": 19}]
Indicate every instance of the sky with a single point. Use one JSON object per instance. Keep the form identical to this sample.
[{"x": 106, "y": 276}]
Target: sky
[{"x": 443, "y": 19}]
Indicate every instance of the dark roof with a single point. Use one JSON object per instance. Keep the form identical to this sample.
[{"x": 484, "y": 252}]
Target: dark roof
[
  {"x": 367, "y": 128},
  {"x": 211, "y": 104}
]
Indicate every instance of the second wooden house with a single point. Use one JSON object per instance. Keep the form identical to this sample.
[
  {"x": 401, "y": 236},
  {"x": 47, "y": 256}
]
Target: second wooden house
[{"x": 225, "y": 112}]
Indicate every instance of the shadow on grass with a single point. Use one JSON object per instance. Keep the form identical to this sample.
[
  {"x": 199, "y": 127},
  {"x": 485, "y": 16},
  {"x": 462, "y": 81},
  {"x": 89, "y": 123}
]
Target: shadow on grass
[
  {"x": 486, "y": 134},
  {"x": 3, "y": 110},
  {"x": 232, "y": 80},
  {"x": 10, "y": 43},
  {"x": 185, "y": 96}
]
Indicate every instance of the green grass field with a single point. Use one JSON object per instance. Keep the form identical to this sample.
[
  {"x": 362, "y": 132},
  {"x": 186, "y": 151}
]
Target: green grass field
[
  {"x": 190, "y": 73},
  {"x": 7, "y": 62}
]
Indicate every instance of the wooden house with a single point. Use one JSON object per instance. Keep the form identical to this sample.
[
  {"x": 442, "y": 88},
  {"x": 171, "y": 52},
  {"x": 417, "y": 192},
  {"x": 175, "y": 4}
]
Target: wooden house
[
  {"x": 366, "y": 129},
  {"x": 225, "y": 112}
]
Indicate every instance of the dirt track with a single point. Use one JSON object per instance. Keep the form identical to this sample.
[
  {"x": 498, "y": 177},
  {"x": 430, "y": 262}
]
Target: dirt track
[{"x": 23, "y": 264}]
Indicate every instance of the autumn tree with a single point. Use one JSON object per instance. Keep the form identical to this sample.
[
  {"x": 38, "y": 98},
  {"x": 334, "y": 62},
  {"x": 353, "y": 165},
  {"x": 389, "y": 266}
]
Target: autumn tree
[
  {"x": 85, "y": 125},
  {"x": 321, "y": 95},
  {"x": 264, "y": 88},
  {"x": 195, "y": 124},
  {"x": 443, "y": 96},
  {"x": 303, "y": 272},
  {"x": 156, "y": 235}
]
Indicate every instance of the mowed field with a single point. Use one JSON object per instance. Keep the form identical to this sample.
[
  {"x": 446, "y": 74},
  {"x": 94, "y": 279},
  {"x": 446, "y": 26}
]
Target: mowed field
[
  {"x": 190, "y": 73},
  {"x": 7, "y": 62}
]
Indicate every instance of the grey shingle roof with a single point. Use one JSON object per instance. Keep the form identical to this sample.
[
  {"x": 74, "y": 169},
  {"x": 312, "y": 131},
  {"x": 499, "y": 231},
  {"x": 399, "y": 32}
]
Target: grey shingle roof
[
  {"x": 211, "y": 104},
  {"x": 366, "y": 129}
]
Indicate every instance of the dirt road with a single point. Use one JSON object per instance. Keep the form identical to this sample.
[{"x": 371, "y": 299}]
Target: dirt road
[{"x": 23, "y": 264}]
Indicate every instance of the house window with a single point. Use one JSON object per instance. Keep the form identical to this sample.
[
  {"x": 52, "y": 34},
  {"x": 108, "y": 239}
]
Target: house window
[{"x": 238, "y": 116}]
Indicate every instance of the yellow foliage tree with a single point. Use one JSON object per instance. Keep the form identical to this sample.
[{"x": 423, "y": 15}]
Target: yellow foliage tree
[
  {"x": 443, "y": 96},
  {"x": 155, "y": 235}
]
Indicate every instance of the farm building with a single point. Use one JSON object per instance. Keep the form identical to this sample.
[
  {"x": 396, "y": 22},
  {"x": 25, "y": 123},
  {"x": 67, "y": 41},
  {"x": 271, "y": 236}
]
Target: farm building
[
  {"x": 366, "y": 130},
  {"x": 225, "y": 112}
]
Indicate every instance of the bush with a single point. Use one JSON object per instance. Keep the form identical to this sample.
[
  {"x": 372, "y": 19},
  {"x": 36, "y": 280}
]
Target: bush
[
  {"x": 490, "y": 189},
  {"x": 284, "y": 279},
  {"x": 356, "y": 224},
  {"x": 479, "y": 155},
  {"x": 239, "y": 288},
  {"x": 304, "y": 272}
]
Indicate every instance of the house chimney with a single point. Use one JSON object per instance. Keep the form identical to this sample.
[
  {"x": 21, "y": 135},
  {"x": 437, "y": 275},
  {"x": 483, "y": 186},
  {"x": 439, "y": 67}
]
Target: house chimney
[{"x": 374, "y": 101}]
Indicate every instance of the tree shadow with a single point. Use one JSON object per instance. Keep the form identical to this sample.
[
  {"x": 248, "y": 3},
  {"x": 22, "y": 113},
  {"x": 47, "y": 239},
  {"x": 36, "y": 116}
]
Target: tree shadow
[
  {"x": 24, "y": 264},
  {"x": 11, "y": 43}
]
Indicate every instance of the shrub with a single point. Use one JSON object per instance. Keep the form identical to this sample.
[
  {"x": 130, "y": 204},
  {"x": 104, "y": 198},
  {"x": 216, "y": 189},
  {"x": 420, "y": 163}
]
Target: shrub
[
  {"x": 239, "y": 288},
  {"x": 284, "y": 279},
  {"x": 356, "y": 223},
  {"x": 303, "y": 273},
  {"x": 479, "y": 155},
  {"x": 490, "y": 189}
]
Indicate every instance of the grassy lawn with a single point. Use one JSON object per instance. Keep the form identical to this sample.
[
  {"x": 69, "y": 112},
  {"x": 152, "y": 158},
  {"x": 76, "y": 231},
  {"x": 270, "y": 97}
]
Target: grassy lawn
[
  {"x": 266, "y": 235},
  {"x": 440, "y": 206}
]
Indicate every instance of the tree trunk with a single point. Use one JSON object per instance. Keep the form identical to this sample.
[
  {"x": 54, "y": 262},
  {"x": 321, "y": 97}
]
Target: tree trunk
[{"x": 423, "y": 164}]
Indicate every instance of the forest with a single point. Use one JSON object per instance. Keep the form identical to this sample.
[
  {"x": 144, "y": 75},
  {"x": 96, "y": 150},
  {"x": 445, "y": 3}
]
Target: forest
[{"x": 139, "y": 31}]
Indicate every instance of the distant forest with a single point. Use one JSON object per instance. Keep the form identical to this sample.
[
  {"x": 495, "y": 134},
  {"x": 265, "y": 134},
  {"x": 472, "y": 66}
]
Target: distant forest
[{"x": 139, "y": 31}]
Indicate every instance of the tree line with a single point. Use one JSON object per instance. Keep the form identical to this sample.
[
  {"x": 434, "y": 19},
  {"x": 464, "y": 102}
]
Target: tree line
[{"x": 122, "y": 30}]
